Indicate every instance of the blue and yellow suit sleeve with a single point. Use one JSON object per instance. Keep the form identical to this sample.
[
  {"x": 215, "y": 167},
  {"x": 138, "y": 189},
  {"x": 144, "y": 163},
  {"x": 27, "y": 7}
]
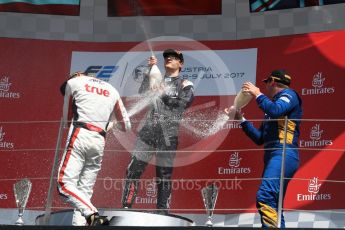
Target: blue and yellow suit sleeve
[{"x": 271, "y": 133}]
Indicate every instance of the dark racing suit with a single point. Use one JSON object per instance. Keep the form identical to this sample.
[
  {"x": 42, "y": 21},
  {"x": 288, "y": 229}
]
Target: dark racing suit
[
  {"x": 159, "y": 137},
  {"x": 271, "y": 134}
]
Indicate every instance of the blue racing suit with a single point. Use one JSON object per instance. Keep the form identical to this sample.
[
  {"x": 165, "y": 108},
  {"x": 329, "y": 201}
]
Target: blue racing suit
[{"x": 271, "y": 133}]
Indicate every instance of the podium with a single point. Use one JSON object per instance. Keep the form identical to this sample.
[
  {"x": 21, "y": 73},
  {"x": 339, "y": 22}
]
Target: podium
[
  {"x": 121, "y": 217},
  {"x": 139, "y": 218}
]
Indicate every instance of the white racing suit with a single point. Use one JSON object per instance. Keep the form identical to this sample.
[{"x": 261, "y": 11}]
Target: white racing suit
[{"x": 93, "y": 102}]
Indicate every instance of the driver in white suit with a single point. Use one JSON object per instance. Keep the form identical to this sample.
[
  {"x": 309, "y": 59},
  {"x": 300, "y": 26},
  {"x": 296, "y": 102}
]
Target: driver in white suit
[{"x": 93, "y": 104}]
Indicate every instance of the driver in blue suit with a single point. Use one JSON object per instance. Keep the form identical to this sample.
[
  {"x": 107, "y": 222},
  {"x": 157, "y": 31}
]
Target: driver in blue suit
[{"x": 281, "y": 101}]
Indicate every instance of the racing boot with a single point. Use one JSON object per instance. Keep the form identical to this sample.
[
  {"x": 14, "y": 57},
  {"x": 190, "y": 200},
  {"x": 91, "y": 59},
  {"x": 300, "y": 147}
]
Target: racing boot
[{"x": 97, "y": 220}]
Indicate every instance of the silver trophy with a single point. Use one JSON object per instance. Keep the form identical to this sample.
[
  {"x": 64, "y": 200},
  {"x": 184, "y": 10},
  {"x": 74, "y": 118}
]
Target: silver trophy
[
  {"x": 209, "y": 196},
  {"x": 22, "y": 191}
]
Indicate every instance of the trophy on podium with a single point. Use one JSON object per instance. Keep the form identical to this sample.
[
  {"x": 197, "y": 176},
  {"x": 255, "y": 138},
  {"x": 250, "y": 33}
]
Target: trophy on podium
[
  {"x": 209, "y": 196},
  {"x": 22, "y": 191}
]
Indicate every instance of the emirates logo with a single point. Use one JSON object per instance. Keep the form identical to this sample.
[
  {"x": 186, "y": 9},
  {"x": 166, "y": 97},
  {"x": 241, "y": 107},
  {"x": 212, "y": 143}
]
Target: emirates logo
[
  {"x": 318, "y": 80},
  {"x": 234, "y": 160},
  {"x": 151, "y": 194},
  {"x": 4, "y": 144},
  {"x": 315, "y": 132},
  {"x": 151, "y": 190},
  {"x": 5, "y": 84},
  {"x": 318, "y": 86},
  {"x": 313, "y": 185},
  {"x": 234, "y": 163},
  {"x": 2, "y": 134},
  {"x": 313, "y": 192},
  {"x": 5, "y": 89},
  {"x": 316, "y": 139}
]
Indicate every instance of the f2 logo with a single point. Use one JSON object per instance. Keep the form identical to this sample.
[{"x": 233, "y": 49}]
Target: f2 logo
[{"x": 102, "y": 72}]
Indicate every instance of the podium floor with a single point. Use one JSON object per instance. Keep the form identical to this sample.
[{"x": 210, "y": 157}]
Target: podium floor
[{"x": 122, "y": 218}]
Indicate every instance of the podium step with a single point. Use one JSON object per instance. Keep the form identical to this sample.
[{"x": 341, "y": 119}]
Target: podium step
[
  {"x": 138, "y": 218},
  {"x": 120, "y": 217}
]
